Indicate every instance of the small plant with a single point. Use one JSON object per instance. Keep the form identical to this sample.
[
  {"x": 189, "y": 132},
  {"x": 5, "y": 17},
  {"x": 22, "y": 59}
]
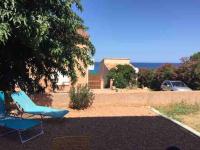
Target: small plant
[
  {"x": 81, "y": 97},
  {"x": 177, "y": 109}
]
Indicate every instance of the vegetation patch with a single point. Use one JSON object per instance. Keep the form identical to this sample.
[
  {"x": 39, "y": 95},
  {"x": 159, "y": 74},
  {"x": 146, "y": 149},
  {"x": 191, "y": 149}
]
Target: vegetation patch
[
  {"x": 39, "y": 40},
  {"x": 123, "y": 76},
  {"x": 183, "y": 112},
  {"x": 81, "y": 97},
  {"x": 188, "y": 72}
]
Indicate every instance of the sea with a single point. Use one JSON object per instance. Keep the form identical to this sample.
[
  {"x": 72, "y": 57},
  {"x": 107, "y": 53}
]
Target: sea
[
  {"x": 139, "y": 65},
  {"x": 152, "y": 65}
]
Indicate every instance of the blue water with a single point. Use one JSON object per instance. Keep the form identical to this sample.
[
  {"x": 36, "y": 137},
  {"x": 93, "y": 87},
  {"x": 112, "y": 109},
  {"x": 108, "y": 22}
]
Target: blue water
[
  {"x": 136, "y": 64},
  {"x": 152, "y": 65}
]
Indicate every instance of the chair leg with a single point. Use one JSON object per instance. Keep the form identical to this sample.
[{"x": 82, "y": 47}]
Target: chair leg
[
  {"x": 28, "y": 139},
  {"x": 42, "y": 117}
]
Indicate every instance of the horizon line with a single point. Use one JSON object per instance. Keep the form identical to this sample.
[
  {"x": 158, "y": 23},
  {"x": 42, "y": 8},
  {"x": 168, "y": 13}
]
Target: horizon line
[{"x": 151, "y": 62}]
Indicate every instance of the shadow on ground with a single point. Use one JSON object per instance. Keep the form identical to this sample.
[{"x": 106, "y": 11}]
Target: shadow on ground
[
  {"x": 42, "y": 99},
  {"x": 111, "y": 133}
]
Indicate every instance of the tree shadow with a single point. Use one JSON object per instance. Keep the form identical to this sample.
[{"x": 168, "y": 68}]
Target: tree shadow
[
  {"x": 112, "y": 133},
  {"x": 42, "y": 99}
]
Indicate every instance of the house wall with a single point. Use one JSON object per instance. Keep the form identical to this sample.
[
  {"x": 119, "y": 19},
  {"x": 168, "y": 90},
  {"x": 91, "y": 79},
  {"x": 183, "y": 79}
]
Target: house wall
[
  {"x": 82, "y": 79},
  {"x": 46, "y": 85},
  {"x": 103, "y": 72},
  {"x": 117, "y": 61}
]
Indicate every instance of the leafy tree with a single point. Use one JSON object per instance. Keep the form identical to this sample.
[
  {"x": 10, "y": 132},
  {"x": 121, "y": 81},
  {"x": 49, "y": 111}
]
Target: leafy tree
[
  {"x": 122, "y": 75},
  {"x": 153, "y": 78},
  {"x": 165, "y": 72},
  {"x": 189, "y": 71},
  {"x": 195, "y": 57},
  {"x": 41, "y": 37},
  {"x": 146, "y": 77}
]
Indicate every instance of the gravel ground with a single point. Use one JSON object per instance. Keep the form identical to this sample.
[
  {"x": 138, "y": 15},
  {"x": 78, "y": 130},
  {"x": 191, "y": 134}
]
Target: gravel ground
[
  {"x": 114, "y": 124},
  {"x": 111, "y": 133}
]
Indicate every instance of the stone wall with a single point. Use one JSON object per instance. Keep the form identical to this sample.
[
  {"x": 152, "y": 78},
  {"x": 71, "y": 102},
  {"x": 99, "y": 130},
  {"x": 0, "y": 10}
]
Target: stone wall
[{"x": 61, "y": 100}]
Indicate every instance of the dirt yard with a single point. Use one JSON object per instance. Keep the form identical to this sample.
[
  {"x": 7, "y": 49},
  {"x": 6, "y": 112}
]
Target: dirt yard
[{"x": 114, "y": 122}]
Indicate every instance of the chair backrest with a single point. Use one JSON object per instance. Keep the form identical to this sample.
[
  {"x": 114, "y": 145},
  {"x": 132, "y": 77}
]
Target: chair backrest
[
  {"x": 23, "y": 100},
  {"x": 2, "y": 104}
]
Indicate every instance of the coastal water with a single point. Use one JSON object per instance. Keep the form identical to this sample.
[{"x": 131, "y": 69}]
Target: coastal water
[
  {"x": 152, "y": 65},
  {"x": 136, "y": 64}
]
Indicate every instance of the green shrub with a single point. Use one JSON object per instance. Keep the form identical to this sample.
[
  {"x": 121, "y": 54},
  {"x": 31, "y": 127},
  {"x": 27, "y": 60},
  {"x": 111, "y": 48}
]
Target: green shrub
[
  {"x": 81, "y": 97},
  {"x": 165, "y": 72},
  {"x": 153, "y": 78},
  {"x": 123, "y": 76},
  {"x": 189, "y": 71},
  {"x": 146, "y": 77}
]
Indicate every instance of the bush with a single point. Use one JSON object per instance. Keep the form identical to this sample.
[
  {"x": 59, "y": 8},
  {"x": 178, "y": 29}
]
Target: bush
[
  {"x": 81, "y": 97},
  {"x": 146, "y": 77},
  {"x": 153, "y": 78},
  {"x": 189, "y": 71},
  {"x": 123, "y": 76},
  {"x": 165, "y": 72}
]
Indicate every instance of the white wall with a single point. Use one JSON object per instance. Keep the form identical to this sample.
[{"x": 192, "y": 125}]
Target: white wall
[{"x": 63, "y": 80}]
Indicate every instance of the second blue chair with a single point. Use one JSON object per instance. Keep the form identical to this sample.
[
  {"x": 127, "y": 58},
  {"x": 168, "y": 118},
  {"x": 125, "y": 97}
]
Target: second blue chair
[
  {"x": 16, "y": 124},
  {"x": 28, "y": 106}
]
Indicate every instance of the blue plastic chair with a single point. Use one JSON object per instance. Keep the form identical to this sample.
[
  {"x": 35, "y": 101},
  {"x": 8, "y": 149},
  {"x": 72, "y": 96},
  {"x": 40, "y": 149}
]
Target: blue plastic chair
[
  {"x": 16, "y": 124},
  {"x": 26, "y": 105}
]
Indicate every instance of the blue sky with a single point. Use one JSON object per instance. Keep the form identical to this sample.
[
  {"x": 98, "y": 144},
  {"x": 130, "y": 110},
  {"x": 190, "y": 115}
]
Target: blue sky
[{"x": 143, "y": 30}]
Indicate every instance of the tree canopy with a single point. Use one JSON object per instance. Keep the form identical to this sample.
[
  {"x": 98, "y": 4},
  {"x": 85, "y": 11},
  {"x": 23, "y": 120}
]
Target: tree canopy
[
  {"x": 189, "y": 71},
  {"x": 41, "y": 38},
  {"x": 195, "y": 57},
  {"x": 123, "y": 76},
  {"x": 152, "y": 78}
]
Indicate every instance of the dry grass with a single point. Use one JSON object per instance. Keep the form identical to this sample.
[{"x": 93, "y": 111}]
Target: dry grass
[
  {"x": 183, "y": 112},
  {"x": 192, "y": 120}
]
